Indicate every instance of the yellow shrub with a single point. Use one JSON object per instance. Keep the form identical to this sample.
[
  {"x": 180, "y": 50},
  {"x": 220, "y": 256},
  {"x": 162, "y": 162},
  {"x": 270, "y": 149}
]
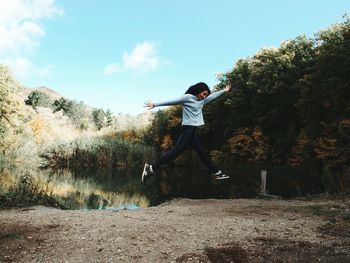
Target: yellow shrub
[{"x": 37, "y": 125}]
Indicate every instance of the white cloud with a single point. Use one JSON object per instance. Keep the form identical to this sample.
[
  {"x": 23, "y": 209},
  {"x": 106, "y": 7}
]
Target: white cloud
[
  {"x": 143, "y": 58},
  {"x": 112, "y": 69},
  {"x": 19, "y": 10},
  {"x": 22, "y": 67},
  {"x": 20, "y": 39},
  {"x": 21, "y": 31}
]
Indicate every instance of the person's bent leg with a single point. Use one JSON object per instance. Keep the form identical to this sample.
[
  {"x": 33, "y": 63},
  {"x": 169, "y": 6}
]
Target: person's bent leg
[
  {"x": 182, "y": 143},
  {"x": 199, "y": 148}
]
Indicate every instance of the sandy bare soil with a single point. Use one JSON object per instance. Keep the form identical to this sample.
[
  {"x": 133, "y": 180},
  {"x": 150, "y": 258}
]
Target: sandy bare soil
[{"x": 183, "y": 230}]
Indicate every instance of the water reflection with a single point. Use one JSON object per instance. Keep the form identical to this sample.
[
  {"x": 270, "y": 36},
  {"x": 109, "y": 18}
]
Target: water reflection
[
  {"x": 83, "y": 190},
  {"x": 120, "y": 189},
  {"x": 116, "y": 189}
]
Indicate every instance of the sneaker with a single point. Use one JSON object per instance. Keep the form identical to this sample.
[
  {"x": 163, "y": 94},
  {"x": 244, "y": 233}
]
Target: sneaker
[
  {"x": 220, "y": 175},
  {"x": 147, "y": 172}
]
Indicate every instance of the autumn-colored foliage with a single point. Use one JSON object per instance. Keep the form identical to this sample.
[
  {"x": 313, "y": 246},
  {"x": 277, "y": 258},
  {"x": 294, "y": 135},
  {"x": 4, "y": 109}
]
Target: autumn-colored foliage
[
  {"x": 167, "y": 143},
  {"x": 249, "y": 144}
]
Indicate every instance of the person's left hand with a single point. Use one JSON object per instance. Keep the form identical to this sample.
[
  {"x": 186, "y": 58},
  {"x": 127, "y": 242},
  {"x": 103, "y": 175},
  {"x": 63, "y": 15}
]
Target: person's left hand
[
  {"x": 227, "y": 88},
  {"x": 149, "y": 105}
]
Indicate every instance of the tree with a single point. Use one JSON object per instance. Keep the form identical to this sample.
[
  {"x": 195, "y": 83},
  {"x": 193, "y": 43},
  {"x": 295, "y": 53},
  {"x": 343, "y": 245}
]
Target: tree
[
  {"x": 61, "y": 104},
  {"x": 99, "y": 117},
  {"x": 10, "y": 111},
  {"x": 109, "y": 117},
  {"x": 37, "y": 98},
  {"x": 249, "y": 145},
  {"x": 75, "y": 111}
]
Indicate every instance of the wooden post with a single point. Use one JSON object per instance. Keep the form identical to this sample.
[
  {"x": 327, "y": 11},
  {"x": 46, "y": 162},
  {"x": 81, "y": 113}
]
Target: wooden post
[
  {"x": 263, "y": 174},
  {"x": 263, "y": 194}
]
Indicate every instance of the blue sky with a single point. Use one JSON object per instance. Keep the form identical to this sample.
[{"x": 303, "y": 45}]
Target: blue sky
[{"x": 116, "y": 54}]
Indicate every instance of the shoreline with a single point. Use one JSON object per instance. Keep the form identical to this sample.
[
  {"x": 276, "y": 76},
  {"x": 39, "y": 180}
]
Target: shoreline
[{"x": 182, "y": 230}]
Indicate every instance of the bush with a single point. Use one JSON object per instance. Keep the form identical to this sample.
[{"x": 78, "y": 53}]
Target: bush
[
  {"x": 37, "y": 98},
  {"x": 96, "y": 153}
]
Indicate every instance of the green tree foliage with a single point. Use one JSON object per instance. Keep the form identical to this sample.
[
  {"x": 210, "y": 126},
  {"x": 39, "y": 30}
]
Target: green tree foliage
[
  {"x": 61, "y": 104},
  {"x": 103, "y": 118},
  {"x": 109, "y": 118},
  {"x": 325, "y": 102},
  {"x": 266, "y": 91},
  {"x": 99, "y": 117},
  {"x": 289, "y": 105},
  {"x": 76, "y": 111},
  {"x": 37, "y": 98},
  {"x": 297, "y": 94}
]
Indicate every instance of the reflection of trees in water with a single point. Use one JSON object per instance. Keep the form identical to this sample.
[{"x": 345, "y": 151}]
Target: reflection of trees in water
[
  {"x": 244, "y": 182},
  {"x": 86, "y": 190},
  {"x": 115, "y": 188}
]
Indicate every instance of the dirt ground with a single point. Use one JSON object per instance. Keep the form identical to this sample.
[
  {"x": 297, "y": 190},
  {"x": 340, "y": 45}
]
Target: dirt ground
[{"x": 182, "y": 230}]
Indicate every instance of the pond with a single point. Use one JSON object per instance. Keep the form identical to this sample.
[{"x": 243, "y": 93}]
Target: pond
[
  {"x": 73, "y": 190},
  {"x": 122, "y": 189}
]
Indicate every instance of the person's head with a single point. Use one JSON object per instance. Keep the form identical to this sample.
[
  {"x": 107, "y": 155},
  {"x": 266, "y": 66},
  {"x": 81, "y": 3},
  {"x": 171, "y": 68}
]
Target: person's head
[{"x": 200, "y": 90}]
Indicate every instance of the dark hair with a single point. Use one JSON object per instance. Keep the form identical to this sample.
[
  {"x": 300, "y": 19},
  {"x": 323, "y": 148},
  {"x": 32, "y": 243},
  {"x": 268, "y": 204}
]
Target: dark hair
[{"x": 198, "y": 88}]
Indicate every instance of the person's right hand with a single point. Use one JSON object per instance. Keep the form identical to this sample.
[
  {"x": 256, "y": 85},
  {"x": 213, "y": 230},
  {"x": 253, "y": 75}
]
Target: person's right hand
[{"x": 149, "y": 105}]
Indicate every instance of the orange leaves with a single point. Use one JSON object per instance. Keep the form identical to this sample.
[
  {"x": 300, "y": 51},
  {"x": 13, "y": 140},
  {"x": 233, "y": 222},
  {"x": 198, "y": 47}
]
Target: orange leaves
[
  {"x": 326, "y": 148},
  {"x": 299, "y": 150},
  {"x": 174, "y": 121},
  {"x": 167, "y": 143},
  {"x": 249, "y": 144},
  {"x": 127, "y": 135},
  {"x": 330, "y": 147}
]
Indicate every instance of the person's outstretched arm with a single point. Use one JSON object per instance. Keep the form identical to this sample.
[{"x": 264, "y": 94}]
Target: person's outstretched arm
[
  {"x": 216, "y": 94},
  {"x": 150, "y": 105}
]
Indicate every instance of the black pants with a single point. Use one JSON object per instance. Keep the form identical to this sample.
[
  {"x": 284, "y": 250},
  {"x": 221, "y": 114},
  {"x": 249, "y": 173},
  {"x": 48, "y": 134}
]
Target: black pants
[{"x": 187, "y": 138}]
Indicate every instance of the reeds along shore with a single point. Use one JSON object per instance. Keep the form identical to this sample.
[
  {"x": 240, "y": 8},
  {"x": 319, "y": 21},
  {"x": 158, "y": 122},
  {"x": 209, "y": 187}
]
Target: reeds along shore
[{"x": 96, "y": 153}]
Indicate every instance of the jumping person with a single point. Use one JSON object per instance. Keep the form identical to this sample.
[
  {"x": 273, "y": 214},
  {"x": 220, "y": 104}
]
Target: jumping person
[{"x": 192, "y": 101}]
